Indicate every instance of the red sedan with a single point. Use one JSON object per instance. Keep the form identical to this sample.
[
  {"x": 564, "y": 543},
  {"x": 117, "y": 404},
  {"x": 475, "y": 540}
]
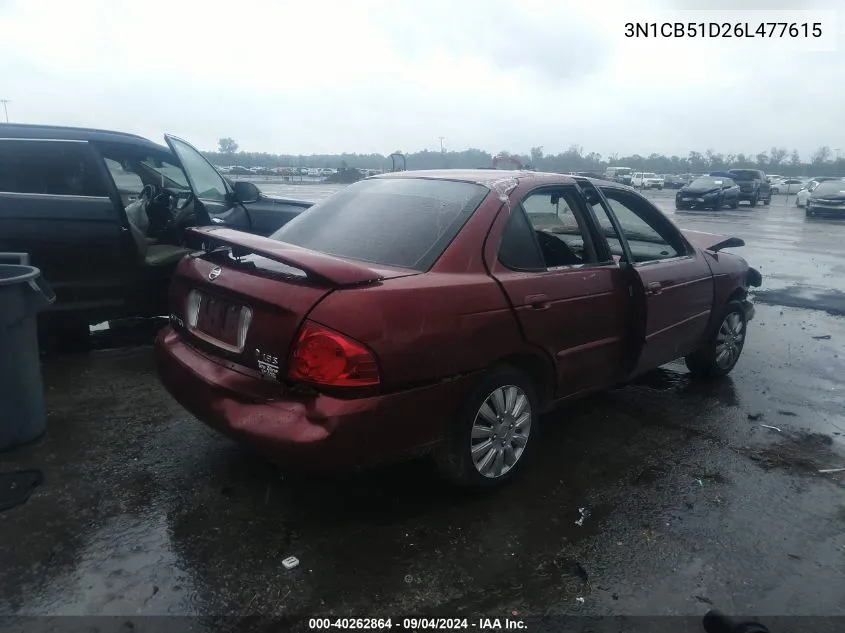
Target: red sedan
[{"x": 442, "y": 311}]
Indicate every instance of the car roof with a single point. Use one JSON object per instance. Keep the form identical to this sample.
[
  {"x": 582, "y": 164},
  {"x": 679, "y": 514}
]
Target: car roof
[
  {"x": 57, "y": 132},
  {"x": 489, "y": 177}
]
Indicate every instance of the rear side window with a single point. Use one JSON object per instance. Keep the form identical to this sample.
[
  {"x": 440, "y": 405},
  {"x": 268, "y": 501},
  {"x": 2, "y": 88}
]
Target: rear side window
[
  {"x": 50, "y": 167},
  {"x": 405, "y": 222},
  {"x": 518, "y": 249}
]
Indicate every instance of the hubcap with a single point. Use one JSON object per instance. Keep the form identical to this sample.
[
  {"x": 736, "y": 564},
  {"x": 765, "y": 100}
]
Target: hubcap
[
  {"x": 729, "y": 340},
  {"x": 500, "y": 431}
]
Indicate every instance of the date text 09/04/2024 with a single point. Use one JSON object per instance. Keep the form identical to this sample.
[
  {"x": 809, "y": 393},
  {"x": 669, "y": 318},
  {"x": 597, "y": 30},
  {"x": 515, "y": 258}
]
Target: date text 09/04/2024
[
  {"x": 724, "y": 29},
  {"x": 416, "y": 624}
]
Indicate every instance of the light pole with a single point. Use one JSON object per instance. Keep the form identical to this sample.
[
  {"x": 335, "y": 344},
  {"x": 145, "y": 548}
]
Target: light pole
[
  {"x": 5, "y": 109},
  {"x": 441, "y": 143},
  {"x": 837, "y": 150}
]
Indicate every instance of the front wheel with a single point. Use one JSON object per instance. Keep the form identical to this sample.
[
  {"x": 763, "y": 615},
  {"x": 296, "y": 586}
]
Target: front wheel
[
  {"x": 488, "y": 441},
  {"x": 753, "y": 202},
  {"x": 734, "y": 203},
  {"x": 722, "y": 348}
]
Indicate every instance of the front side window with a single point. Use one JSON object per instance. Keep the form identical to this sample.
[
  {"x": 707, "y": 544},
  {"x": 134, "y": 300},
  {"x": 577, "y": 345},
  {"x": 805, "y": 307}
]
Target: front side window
[
  {"x": 649, "y": 237},
  {"x": 64, "y": 168}
]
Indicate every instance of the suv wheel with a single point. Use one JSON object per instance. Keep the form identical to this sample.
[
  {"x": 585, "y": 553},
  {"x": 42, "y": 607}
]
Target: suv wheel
[
  {"x": 753, "y": 202},
  {"x": 723, "y": 346},
  {"x": 489, "y": 440}
]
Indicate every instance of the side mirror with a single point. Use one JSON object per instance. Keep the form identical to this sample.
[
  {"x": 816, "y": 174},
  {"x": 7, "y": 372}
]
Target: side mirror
[{"x": 246, "y": 192}]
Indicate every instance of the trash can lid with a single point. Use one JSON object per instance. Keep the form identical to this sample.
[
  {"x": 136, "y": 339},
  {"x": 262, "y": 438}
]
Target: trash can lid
[{"x": 16, "y": 274}]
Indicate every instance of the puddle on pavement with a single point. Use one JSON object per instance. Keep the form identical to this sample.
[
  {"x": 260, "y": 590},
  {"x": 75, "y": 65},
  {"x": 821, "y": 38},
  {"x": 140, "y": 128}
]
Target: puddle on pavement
[{"x": 126, "y": 566}]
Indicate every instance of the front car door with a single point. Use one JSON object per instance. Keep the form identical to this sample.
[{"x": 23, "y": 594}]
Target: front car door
[
  {"x": 569, "y": 295},
  {"x": 210, "y": 188},
  {"x": 677, "y": 281},
  {"x": 55, "y": 205}
]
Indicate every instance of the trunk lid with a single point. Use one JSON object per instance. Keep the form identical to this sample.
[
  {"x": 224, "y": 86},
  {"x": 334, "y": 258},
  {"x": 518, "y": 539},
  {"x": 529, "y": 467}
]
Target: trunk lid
[{"x": 243, "y": 297}]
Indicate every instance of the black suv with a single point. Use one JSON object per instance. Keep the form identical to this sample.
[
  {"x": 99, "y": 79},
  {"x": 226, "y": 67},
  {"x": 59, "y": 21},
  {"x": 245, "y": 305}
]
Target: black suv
[
  {"x": 753, "y": 185},
  {"x": 102, "y": 214}
]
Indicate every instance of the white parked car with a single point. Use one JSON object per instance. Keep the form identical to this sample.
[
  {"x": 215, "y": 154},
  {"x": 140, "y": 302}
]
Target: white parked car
[
  {"x": 804, "y": 194},
  {"x": 787, "y": 185},
  {"x": 647, "y": 180}
]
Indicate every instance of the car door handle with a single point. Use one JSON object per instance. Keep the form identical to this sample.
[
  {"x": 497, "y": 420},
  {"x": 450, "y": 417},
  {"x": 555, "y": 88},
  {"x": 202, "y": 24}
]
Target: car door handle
[
  {"x": 538, "y": 302},
  {"x": 654, "y": 288}
]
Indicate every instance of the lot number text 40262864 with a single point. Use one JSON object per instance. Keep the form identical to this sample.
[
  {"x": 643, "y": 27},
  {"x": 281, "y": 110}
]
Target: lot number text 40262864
[{"x": 416, "y": 624}]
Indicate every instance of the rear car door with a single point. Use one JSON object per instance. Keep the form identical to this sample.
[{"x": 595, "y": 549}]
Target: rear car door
[
  {"x": 55, "y": 205},
  {"x": 677, "y": 280},
  {"x": 570, "y": 297}
]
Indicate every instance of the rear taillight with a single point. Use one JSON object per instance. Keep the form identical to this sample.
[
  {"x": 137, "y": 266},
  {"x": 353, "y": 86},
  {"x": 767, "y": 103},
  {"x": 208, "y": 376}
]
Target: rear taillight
[{"x": 322, "y": 356}]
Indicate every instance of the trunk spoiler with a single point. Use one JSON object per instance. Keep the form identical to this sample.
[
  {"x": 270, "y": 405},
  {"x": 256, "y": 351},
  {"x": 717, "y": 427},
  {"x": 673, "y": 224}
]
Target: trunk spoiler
[
  {"x": 317, "y": 266},
  {"x": 711, "y": 241}
]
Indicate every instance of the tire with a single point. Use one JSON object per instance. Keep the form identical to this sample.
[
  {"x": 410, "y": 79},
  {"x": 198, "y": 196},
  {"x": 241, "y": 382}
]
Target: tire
[
  {"x": 659, "y": 188},
  {"x": 808, "y": 213},
  {"x": 707, "y": 362},
  {"x": 767, "y": 202},
  {"x": 454, "y": 456},
  {"x": 753, "y": 202},
  {"x": 735, "y": 203}
]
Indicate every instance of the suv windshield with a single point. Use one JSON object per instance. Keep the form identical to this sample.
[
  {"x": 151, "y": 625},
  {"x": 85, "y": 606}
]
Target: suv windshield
[
  {"x": 649, "y": 175},
  {"x": 405, "y": 222},
  {"x": 745, "y": 174}
]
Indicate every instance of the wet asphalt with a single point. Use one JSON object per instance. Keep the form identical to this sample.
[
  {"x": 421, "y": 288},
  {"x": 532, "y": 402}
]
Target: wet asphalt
[{"x": 663, "y": 497}]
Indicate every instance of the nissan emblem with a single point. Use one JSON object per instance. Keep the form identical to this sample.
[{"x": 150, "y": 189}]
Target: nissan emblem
[{"x": 214, "y": 273}]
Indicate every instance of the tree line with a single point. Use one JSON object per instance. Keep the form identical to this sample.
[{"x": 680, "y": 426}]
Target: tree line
[{"x": 823, "y": 162}]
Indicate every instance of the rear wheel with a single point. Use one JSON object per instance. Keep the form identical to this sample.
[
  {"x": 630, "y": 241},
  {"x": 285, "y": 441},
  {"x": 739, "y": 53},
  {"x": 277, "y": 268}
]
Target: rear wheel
[
  {"x": 488, "y": 441},
  {"x": 721, "y": 350}
]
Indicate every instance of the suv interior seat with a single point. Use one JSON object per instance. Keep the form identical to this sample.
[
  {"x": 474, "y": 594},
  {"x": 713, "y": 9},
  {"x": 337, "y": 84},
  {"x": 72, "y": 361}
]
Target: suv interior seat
[{"x": 151, "y": 252}]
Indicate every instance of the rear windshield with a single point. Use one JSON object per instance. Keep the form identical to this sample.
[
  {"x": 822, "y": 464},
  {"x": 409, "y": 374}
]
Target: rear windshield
[
  {"x": 745, "y": 174},
  {"x": 405, "y": 222}
]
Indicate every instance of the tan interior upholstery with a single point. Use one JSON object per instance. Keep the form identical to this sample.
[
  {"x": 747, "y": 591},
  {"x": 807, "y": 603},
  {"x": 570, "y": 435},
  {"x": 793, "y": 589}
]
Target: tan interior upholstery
[{"x": 150, "y": 251}]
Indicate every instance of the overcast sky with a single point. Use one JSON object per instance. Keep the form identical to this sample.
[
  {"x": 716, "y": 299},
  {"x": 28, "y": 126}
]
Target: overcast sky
[{"x": 376, "y": 76}]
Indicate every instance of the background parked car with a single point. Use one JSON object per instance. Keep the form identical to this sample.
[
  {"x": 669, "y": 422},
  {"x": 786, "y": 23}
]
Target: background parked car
[
  {"x": 753, "y": 185},
  {"x": 828, "y": 198},
  {"x": 562, "y": 292},
  {"x": 787, "y": 185},
  {"x": 621, "y": 175},
  {"x": 673, "y": 181},
  {"x": 804, "y": 193},
  {"x": 646, "y": 180},
  {"x": 102, "y": 214},
  {"x": 708, "y": 192}
]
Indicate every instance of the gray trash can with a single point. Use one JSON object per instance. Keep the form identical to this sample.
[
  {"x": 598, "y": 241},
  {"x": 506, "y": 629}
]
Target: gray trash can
[{"x": 23, "y": 294}]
